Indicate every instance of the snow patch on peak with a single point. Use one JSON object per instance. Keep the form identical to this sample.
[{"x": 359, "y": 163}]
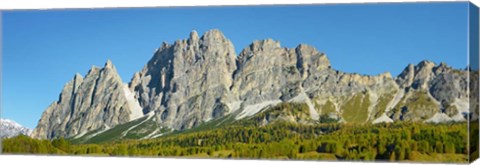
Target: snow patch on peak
[
  {"x": 10, "y": 128},
  {"x": 136, "y": 110},
  {"x": 253, "y": 109}
]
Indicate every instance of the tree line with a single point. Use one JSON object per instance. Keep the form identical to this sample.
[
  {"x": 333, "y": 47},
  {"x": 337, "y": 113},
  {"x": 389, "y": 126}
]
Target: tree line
[{"x": 280, "y": 140}]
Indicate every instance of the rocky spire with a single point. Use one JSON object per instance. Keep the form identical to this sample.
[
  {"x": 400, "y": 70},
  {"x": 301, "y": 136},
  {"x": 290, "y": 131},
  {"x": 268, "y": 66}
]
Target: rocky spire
[
  {"x": 310, "y": 60},
  {"x": 416, "y": 76},
  {"x": 108, "y": 64},
  {"x": 86, "y": 104},
  {"x": 191, "y": 79},
  {"x": 193, "y": 37}
]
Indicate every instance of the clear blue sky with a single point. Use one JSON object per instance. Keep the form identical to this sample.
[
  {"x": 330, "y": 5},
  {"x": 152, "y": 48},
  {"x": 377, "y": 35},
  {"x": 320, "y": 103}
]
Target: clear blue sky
[{"x": 42, "y": 50}]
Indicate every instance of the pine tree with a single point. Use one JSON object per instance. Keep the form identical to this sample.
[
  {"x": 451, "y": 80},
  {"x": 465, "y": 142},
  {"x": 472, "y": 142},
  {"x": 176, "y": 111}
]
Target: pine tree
[{"x": 392, "y": 156}]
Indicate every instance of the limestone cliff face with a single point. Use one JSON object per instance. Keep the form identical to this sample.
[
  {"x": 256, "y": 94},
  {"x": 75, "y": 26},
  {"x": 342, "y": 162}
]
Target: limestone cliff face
[
  {"x": 85, "y": 104},
  {"x": 434, "y": 93},
  {"x": 198, "y": 79},
  {"x": 264, "y": 74},
  {"x": 188, "y": 82}
]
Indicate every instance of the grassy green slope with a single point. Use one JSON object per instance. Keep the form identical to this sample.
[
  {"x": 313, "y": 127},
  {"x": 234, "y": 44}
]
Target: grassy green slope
[
  {"x": 355, "y": 110},
  {"x": 416, "y": 106},
  {"x": 382, "y": 104},
  {"x": 113, "y": 134}
]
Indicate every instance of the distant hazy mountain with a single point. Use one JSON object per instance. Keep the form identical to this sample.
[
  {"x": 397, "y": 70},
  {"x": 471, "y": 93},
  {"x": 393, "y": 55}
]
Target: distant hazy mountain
[
  {"x": 201, "y": 80},
  {"x": 10, "y": 128},
  {"x": 99, "y": 100}
]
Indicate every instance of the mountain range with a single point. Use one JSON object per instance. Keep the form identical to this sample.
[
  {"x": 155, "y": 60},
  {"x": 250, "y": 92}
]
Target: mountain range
[
  {"x": 10, "y": 128},
  {"x": 201, "y": 81}
]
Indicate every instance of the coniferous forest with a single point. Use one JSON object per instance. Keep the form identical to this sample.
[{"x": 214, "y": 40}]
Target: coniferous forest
[{"x": 329, "y": 141}]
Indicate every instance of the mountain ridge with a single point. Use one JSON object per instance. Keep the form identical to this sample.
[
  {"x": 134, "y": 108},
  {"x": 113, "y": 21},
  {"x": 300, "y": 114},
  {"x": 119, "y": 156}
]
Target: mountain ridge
[
  {"x": 87, "y": 103},
  {"x": 201, "y": 78},
  {"x": 10, "y": 128}
]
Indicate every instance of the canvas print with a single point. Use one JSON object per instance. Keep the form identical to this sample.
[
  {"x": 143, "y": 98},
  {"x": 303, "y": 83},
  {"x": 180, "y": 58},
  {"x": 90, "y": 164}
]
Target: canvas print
[{"x": 372, "y": 82}]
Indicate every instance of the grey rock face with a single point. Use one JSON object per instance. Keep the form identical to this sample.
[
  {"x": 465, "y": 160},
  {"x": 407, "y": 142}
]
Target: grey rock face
[
  {"x": 188, "y": 82},
  {"x": 417, "y": 76},
  {"x": 433, "y": 89},
  {"x": 86, "y": 104},
  {"x": 181, "y": 86},
  {"x": 266, "y": 72},
  {"x": 448, "y": 86}
]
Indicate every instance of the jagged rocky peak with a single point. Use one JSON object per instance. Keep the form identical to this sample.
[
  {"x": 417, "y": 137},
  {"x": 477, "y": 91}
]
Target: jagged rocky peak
[
  {"x": 263, "y": 50},
  {"x": 188, "y": 82},
  {"x": 366, "y": 80},
  {"x": 78, "y": 77},
  {"x": 441, "y": 68},
  {"x": 109, "y": 65},
  {"x": 425, "y": 64},
  {"x": 417, "y": 76},
  {"x": 265, "y": 72},
  {"x": 213, "y": 42},
  {"x": 86, "y": 104},
  {"x": 385, "y": 75},
  {"x": 193, "y": 37},
  {"x": 310, "y": 60},
  {"x": 267, "y": 45},
  {"x": 200, "y": 78},
  {"x": 264, "y": 45},
  {"x": 163, "y": 46},
  {"x": 405, "y": 78},
  {"x": 269, "y": 73},
  {"x": 438, "y": 92},
  {"x": 214, "y": 36}
]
